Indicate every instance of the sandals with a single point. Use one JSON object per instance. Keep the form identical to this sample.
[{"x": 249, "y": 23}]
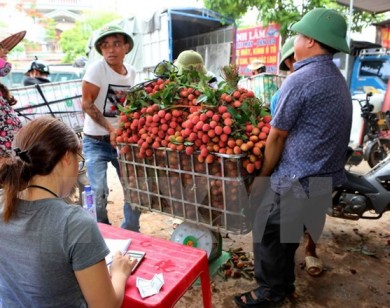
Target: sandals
[
  {"x": 259, "y": 302},
  {"x": 314, "y": 266}
]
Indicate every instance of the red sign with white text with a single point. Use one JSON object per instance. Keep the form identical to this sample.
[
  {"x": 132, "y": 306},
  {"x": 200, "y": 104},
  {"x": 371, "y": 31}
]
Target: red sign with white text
[
  {"x": 385, "y": 34},
  {"x": 261, "y": 43}
]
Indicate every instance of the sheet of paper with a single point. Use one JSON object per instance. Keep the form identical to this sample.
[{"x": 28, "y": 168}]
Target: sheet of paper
[
  {"x": 150, "y": 287},
  {"x": 114, "y": 245}
]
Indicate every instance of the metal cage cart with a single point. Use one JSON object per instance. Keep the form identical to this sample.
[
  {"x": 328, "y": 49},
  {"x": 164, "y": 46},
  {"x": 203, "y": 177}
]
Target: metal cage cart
[
  {"x": 60, "y": 100},
  {"x": 209, "y": 197},
  {"x": 263, "y": 85}
]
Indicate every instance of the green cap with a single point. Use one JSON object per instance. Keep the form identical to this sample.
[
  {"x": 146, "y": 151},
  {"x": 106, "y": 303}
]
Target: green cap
[
  {"x": 325, "y": 26},
  {"x": 110, "y": 30},
  {"x": 286, "y": 52},
  {"x": 190, "y": 59}
]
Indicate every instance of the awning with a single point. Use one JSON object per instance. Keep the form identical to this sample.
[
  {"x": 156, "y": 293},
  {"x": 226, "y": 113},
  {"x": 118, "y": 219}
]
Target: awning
[
  {"x": 373, "y": 6},
  {"x": 385, "y": 23}
]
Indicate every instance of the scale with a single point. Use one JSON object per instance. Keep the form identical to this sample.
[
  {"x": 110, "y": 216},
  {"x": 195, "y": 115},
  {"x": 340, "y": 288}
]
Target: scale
[{"x": 199, "y": 237}]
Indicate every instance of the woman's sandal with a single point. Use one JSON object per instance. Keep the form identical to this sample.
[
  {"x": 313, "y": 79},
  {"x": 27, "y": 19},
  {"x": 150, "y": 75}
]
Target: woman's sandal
[{"x": 255, "y": 303}]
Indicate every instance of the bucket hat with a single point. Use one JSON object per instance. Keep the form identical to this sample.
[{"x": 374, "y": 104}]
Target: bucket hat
[
  {"x": 286, "y": 52},
  {"x": 109, "y": 30},
  {"x": 190, "y": 59},
  {"x": 11, "y": 41},
  {"x": 325, "y": 26},
  {"x": 255, "y": 65}
]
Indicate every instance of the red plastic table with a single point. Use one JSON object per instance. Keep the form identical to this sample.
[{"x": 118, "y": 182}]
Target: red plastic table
[{"x": 180, "y": 265}]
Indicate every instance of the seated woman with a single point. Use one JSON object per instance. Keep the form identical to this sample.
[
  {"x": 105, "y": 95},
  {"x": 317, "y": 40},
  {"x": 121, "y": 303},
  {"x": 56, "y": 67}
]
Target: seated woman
[{"x": 52, "y": 253}]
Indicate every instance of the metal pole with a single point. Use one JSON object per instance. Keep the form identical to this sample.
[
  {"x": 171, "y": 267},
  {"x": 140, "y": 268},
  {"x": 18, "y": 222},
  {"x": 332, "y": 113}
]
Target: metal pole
[{"x": 349, "y": 39}]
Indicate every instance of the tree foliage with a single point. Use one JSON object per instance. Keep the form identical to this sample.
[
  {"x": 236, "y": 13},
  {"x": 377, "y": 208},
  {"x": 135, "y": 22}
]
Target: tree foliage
[
  {"x": 50, "y": 26},
  {"x": 286, "y": 12},
  {"x": 74, "y": 41}
]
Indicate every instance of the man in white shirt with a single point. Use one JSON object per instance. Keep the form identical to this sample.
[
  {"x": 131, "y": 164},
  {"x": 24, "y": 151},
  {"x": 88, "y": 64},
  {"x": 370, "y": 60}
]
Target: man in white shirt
[{"x": 105, "y": 85}]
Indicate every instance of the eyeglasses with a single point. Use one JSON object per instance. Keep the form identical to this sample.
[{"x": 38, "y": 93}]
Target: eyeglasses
[
  {"x": 106, "y": 45},
  {"x": 81, "y": 160}
]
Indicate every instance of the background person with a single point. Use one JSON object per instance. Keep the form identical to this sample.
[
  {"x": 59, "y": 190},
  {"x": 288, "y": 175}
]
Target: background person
[
  {"x": 9, "y": 121},
  {"x": 53, "y": 254},
  {"x": 37, "y": 73},
  {"x": 105, "y": 85},
  {"x": 304, "y": 156},
  {"x": 257, "y": 67},
  {"x": 286, "y": 64},
  {"x": 190, "y": 59}
]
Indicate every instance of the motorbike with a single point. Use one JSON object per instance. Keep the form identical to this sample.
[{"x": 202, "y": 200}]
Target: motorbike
[
  {"x": 364, "y": 196},
  {"x": 373, "y": 134}
]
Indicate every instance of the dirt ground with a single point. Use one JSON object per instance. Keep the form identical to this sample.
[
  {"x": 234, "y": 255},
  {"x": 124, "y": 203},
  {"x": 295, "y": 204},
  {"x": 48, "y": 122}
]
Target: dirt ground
[{"x": 356, "y": 256}]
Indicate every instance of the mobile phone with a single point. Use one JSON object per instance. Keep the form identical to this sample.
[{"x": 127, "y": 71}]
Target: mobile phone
[{"x": 138, "y": 255}]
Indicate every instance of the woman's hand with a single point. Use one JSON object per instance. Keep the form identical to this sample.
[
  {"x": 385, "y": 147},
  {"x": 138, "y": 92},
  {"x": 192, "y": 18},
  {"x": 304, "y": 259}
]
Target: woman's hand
[{"x": 122, "y": 264}]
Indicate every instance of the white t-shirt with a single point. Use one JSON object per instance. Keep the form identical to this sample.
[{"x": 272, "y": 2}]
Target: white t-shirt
[{"x": 113, "y": 91}]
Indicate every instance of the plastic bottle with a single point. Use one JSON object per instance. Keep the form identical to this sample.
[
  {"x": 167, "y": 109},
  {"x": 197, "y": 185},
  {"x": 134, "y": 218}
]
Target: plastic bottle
[{"x": 89, "y": 201}]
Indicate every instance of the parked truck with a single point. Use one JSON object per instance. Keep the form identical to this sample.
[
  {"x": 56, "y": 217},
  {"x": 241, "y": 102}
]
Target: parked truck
[
  {"x": 366, "y": 69},
  {"x": 164, "y": 34}
]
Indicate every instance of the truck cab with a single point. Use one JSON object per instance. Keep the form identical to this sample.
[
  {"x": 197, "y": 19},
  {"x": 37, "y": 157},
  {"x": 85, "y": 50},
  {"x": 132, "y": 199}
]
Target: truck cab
[
  {"x": 366, "y": 69},
  {"x": 370, "y": 71}
]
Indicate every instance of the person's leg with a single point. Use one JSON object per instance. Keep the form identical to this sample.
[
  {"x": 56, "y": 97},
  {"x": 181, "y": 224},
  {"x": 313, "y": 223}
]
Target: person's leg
[
  {"x": 96, "y": 159},
  {"x": 130, "y": 217},
  {"x": 310, "y": 213},
  {"x": 310, "y": 247},
  {"x": 314, "y": 222},
  {"x": 274, "y": 268},
  {"x": 274, "y": 260},
  {"x": 130, "y": 214},
  {"x": 313, "y": 264}
]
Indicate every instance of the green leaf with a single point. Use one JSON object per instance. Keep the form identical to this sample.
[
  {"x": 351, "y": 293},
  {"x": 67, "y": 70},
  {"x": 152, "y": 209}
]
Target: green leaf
[{"x": 202, "y": 98}]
